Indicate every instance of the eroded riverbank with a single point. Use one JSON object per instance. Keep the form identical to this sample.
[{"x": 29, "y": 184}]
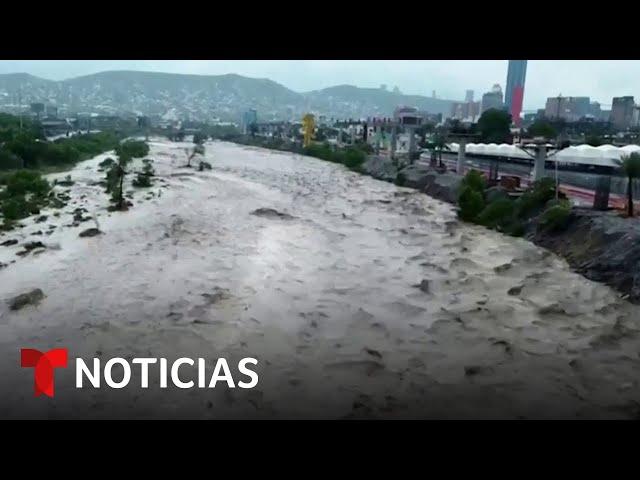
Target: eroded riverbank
[{"x": 369, "y": 300}]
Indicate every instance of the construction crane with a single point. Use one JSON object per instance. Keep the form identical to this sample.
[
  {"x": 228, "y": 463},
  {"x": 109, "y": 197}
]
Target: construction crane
[{"x": 308, "y": 126}]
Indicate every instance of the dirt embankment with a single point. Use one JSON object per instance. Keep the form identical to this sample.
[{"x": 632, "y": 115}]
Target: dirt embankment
[{"x": 602, "y": 246}]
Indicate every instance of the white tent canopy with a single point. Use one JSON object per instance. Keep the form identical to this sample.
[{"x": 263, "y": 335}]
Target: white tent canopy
[{"x": 604, "y": 155}]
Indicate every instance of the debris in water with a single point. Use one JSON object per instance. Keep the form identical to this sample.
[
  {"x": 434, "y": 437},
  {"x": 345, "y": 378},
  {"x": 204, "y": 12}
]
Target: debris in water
[
  {"x": 502, "y": 268},
  {"x": 373, "y": 353},
  {"x": 218, "y": 295},
  {"x": 271, "y": 213},
  {"x": 423, "y": 286},
  {"x": 477, "y": 370}
]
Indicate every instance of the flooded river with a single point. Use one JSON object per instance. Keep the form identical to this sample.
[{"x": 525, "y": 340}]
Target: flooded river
[{"x": 365, "y": 300}]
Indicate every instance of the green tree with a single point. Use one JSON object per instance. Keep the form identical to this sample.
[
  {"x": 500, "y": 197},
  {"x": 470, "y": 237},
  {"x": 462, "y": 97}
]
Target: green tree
[
  {"x": 630, "y": 165},
  {"x": 494, "y": 126},
  {"x": 593, "y": 140},
  {"x": 542, "y": 128},
  {"x": 126, "y": 152}
]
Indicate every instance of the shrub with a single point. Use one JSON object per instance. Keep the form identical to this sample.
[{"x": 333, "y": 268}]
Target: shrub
[
  {"x": 470, "y": 203},
  {"x": 401, "y": 178},
  {"x": 497, "y": 214},
  {"x": 353, "y": 158},
  {"x": 132, "y": 149},
  {"x": 26, "y": 181},
  {"x": 322, "y": 151},
  {"x": 474, "y": 180},
  {"x": 8, "y": 160},
  {"x": 107, "y": 162},
  {"x": 141, "y": 181},
  {"x": 533, "y": 200},
  {"x": 15, "y": 208},
  {"x": 515, "y": 228},
  {"x": 496, "y": 193},
  {"x": 555, "y": 218}
]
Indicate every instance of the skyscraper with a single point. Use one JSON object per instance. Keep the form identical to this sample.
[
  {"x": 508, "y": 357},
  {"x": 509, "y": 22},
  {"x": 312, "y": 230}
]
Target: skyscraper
[
  {"x": 492, "y": 99},
  {"x": 515, "y": 88}
]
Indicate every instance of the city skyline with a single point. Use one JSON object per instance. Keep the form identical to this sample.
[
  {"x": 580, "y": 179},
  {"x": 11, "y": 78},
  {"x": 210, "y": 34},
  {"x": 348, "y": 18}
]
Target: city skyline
[{"x": 600, "y": 80}]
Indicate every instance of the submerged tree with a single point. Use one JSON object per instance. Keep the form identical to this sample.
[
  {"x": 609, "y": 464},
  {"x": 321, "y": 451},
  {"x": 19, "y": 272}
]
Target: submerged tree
[
  {"x": 198, "y": 147},
  {"x": 125, "y": 152},
  {"x": 143, "y": 178},
  {"x": 631, "y": 167}
]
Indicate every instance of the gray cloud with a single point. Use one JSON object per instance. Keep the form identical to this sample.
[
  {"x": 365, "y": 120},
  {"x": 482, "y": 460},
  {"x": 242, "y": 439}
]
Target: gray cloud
[{"x": 601, "y": 80}]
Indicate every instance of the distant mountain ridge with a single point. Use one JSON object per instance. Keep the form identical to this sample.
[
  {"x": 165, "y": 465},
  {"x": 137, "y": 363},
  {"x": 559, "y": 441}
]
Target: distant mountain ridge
[{"x": 203, "y": 97}]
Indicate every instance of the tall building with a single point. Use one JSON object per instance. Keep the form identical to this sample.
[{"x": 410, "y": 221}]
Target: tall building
[
  {"x": 570, "y": 109},
  {"x": 622, "y": 112},
  {"x": 468, "y": 96},
  {"x": 514, "y": 94},
  {"x": 465, "y": 111},
  {"x": 492, "y": 99},
  {"x": 249, "y": 117}
]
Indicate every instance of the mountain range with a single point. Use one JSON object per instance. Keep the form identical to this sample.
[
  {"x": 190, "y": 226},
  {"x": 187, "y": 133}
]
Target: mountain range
[{"x": 202, "y": 97}]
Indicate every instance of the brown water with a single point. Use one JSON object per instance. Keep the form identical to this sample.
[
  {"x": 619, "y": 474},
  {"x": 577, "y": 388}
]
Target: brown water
[{"x": 327, "y": 301}]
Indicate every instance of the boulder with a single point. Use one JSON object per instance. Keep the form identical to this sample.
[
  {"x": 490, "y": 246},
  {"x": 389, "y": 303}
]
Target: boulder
[
  {"x": 33, "y": 297},
  {"x": 90, "y": 232},
  {"x": 32, "y": 245},
  {"x": 415, "y": 176},
  {"x": 443, "y": 186},
  {"x": 380, "y": 167}
]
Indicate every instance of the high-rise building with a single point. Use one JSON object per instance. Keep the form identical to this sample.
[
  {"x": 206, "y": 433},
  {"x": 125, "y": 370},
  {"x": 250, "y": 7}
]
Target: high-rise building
[
  {"x": 468, "y": 96},
  {"x": 492, "y": 99},
  {"x": 514, "y": 94},
  {"x": 622, "y": 112},
  {"x": 465, "y": 111},
  {"x": 570, "y": 109},
  {"x": 249, "y": 117}
]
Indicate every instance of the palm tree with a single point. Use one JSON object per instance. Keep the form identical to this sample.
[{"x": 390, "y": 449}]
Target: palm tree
[
  {"x": 630, "y": 165},
  {"x": 437, "y": 144}
]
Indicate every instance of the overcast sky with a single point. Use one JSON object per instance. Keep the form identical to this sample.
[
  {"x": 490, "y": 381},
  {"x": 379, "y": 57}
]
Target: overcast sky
[{"x": 601, "y": 80}]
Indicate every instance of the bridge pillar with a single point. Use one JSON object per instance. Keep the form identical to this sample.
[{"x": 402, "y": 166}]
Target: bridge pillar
[
  {"x": 394, "y": 140},
  {"x": 412, "y": 140},
  {"x": 461, "y": 152},
  {"x": 603, "y": 187},
  {"x": 538, "y": 167}
]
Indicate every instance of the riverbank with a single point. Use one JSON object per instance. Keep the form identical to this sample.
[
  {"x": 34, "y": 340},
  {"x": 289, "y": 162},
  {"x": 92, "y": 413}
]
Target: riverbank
[{"x": 602, "y": 246}]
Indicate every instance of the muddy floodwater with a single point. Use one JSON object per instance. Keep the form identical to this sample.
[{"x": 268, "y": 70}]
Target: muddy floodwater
[{"x": 359, "y": 299}]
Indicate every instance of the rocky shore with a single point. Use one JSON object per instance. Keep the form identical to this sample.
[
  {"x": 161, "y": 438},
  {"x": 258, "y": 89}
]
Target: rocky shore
[{"x": 602, "y": 246}]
